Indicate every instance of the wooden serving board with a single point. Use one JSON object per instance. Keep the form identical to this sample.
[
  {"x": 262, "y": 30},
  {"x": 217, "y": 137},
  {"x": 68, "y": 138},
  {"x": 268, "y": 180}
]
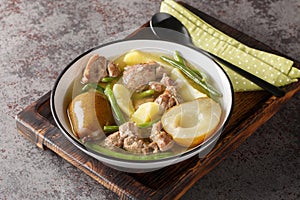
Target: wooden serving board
[{"x": 251, "y": 110}]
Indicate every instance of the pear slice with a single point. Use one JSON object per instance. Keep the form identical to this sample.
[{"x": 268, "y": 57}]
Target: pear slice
[
  {"x": 190, "y": 123},
  {"x": 88, "y": 113},
  {"x": 123, "y": 97}
]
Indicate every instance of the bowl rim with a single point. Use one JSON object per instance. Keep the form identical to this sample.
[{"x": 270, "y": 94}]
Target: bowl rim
[{"x": 83, "y": 148}]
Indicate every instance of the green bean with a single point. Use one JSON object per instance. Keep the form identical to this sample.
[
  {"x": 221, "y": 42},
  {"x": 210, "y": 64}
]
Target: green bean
[
  {"x": 115, "y": 107},
  {"x": 95, "y": 86},
  {"x": 108, "y": 79},
  {"x": 201, "y": 74},
  {"x": 148, "y": 124},
  {"x": 125, "y": 155},
  {"x": 179, "y": 58},
  {"x": 193, "y": 76},
  {"x": 144, "y": 94},
  {"x": 110, "y": 129}
]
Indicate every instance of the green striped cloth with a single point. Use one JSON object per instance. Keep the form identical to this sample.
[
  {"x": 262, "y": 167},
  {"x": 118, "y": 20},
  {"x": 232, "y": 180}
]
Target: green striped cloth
[{"x": 275, "y": 69}]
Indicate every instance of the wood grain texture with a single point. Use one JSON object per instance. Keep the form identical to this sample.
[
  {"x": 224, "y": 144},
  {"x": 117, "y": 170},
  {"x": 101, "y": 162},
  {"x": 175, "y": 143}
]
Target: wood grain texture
[{"x": 251, "y": 110}]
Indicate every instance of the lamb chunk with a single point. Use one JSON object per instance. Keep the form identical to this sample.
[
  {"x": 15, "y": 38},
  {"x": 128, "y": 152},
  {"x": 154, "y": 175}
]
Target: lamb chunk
[
  {"x": 165, "y": 101},
  {"x": 114, "y": 139},
  {"x": 133, "y": 144},
  {"x": 157, "y": 127},
  {"x": 129, "y": 129},
  {"x": 168, "y": 98},
  {"x": 172, "y": 90},
  {"x": 150, "y": 148},
  {"x": 167, "y": 81},
  {"x": 127, "y": 139},
  {"x": 157, "y": 87},
  {"x": 136, "y": 76},
  {"x": 113, "y": 70},
  {"x": 95, "y": 69},
  {"x": 163, "y": 140}
]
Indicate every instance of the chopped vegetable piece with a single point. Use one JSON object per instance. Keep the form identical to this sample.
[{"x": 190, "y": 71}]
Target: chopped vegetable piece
[
  {"x": 193, "y": 76},
  {"x": 122, "y": 96},
  {"x": 136, "y": 57},
  {"x": 88, "y": 112},
  {"x": 110, "y": 129},
  {"x": 192, "y": 122},
  {"x": 185, "y": 89},
  {"x": 179, "y": 58},
  {"x": 119, "y": 117},
  {"x": 108, "y": 79},
  {"x": 148, "y": 124},
  {"x": 145, "y": 113},
  {"x": 144, "y": 94},
  {"x": 95, "y": 86}
]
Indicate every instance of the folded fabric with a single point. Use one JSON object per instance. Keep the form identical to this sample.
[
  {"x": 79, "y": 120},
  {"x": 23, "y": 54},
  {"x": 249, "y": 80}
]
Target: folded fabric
[{"x": 275, "y": 69}]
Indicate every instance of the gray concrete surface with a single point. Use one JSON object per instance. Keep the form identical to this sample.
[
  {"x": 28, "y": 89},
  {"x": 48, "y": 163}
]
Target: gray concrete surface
[{"x": 39, "y": 37}]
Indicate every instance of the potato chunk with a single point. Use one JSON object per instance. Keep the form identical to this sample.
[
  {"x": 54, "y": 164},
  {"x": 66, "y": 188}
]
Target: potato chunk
[
  {"x": 146, "y": 112},
  {"x": 137, "y": 57}
]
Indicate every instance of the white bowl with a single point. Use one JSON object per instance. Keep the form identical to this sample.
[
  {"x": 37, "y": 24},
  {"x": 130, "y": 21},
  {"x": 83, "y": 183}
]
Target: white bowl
[{"x": 219, "y": 80}]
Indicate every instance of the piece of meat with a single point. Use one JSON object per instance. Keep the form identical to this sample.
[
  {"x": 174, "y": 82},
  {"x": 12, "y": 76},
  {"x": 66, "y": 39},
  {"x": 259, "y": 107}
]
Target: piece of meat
[
  {"x": 168, "y": 98},
  {"x": 137, "y": 76},
  {"x": 114, "y": 139},
  {"x": 133, "y": 144},
  {"x": 129, "y": 129},
  {"x": 157, "y": 127},
  {"x": 173, "y": 91},
  {"x": 150, "y": 148},
  {"x": 95, "y": 70},
  {"x": 128, "y": 138},
  {"x": 113, "y": 70},
  {"x": 157, "y": 87},
  {"x": 163, "y": 140},
  {"x": 167, "y": 81}
]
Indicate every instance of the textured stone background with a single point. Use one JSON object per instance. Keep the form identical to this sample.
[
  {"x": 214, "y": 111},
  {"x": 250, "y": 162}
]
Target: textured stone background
[{"x": 39, "y": 37}]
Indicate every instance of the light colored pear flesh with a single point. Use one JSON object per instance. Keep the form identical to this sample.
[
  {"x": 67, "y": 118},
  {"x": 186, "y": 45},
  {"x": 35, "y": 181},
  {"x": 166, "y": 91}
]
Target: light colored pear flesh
[
  {"x": 123, "y": 95},
  {"x": 190, "y": 123}
]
